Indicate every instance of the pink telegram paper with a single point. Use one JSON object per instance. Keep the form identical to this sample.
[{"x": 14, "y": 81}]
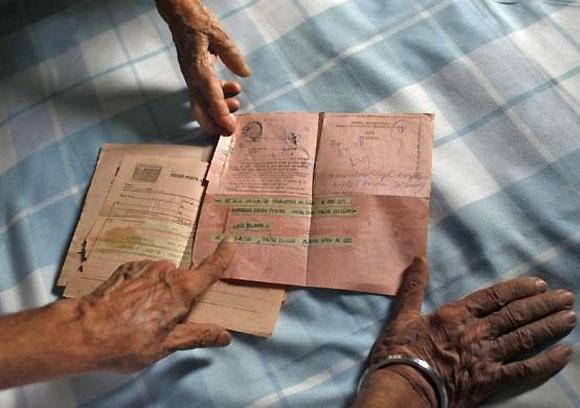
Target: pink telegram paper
[{"x": 321, "y": 200}]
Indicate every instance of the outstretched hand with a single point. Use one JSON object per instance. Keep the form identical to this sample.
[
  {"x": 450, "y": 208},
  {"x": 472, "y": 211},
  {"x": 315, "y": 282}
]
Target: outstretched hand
[
  {"x": 136, "y": 317},
  {"x": 474, "y": 343},
  {"x": 198, "y": 36}
]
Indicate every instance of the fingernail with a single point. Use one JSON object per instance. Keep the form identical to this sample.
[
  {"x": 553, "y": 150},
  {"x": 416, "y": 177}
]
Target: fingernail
[
  {"x": 571, "y": 317},
  {"x": 225, "y": 338},
  {"x": 226, "y": 250},
  {"x": 541, "y": 284},
  {"x": 567, "y": 297},
  {"x": 228, "y": 239},
  {"x": 230, "y": 122},
  {"x": 417, "y": 261}
]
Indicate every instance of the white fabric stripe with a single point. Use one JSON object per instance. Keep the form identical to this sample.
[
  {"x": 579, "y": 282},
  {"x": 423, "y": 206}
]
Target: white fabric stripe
[
  {"x": 48, "y": 202},
  {"x": 7, "y": 151},
  {"x": 10, "y": 397},
  {"x": 249, "y": 48},
  {"x": 32, "y": 291},
  {"x": 418, "y": 92},
  {"x": 254, "y": 13},
  {"x": 539, "y": 57},
  {"x": 490, "y": 89},
  {"x": 347, "y": 53},
  {"x": 54, "y": 118},
  {"x": 59, "y": 134},
  {"x": 310, "y": 382},
  {"x": 3, "y": 108},
  {"x": 543, "y": 257}
]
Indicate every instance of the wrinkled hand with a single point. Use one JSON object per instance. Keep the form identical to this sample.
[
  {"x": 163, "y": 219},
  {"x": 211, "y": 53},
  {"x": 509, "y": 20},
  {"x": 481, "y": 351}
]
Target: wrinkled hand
[
  {"x": 472, "y": 343},
  {"x": 198, "y": 35},
  {"x": 136, "y": 317}
]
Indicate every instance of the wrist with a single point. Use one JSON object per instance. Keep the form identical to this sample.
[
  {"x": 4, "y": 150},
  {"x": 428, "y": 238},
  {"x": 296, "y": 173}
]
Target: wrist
[
  {"x": 64, "y": 328},
  {"x": 42, "y": 343},
  {"x": 398, "y": 385}
]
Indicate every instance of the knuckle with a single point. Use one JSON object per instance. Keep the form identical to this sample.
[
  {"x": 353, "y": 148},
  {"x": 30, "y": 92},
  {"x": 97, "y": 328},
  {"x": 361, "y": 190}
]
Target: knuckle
[
  {"x": 448, "y": 313},
  {"x": 503, "y": 348},
  {"x": 217, "y": 261},
  {"x": 163, "y": 265},
  {"x": 524, "y": 338},
  {"x": 526, "y": 369},
  {"x": 513, "y": 315},
  {"x": 202, "y": 69},
  {"x": 493, "y": 295},
  {"x": 542, "y": 306},
  {"x": 206, "y": 338}
]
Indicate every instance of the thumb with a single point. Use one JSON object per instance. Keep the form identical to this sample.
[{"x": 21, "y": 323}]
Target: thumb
[
  {"x": 412, "y": 290},
  {"x": 191, "y": 335}
]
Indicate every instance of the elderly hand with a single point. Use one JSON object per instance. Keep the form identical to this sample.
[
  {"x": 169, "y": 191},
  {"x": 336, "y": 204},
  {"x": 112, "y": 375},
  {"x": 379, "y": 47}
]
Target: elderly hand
[
  {"x": 198, "y": 34},
  {"x": 474, "y": 343},
  {"x": 136, "y": 317}
]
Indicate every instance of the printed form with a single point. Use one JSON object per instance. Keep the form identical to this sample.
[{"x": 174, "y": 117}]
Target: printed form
[
  {"x": 149, "y": 212},
  {"x": 321, "y": 200}
]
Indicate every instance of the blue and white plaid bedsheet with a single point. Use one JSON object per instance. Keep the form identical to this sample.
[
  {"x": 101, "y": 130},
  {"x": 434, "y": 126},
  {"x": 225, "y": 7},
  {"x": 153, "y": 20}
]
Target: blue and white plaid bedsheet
[{"x": 503, "y": 80}]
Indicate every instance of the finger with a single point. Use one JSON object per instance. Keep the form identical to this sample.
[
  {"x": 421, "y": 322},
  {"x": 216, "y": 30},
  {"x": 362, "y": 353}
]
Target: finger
[
  {"x": 527, "y": 310},
  {"x": 537, "y": 367},
  {"x": 200, "y": 113},
  {"x": 534, "y": 335},
  {"x": 210, "y": 107},
  {"x": 212, "y": 268},
  {"x": 231, "y": 88},
  {"x": 189, "y": 335},
  {"x": 412, "y": 290},
  {"x": 208, "y": 85},
  {"x": 222, "y": 45},
  {"x": 489, "y": 300},
  {"x": 205, "y": 83},
  {"x": 233, "y": 104}
]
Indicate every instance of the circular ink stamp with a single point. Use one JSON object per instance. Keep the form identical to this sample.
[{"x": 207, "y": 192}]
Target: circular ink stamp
[{"x": 252, "y": 131}]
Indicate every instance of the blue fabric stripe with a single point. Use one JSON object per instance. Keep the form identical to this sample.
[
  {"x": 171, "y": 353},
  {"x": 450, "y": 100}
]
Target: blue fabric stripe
[
  {"x": 509, "y": 104},
  {"x": 505, "y": 229},
  {"x": 318, "y": 330},
  {"x": 561, "y": 381}
]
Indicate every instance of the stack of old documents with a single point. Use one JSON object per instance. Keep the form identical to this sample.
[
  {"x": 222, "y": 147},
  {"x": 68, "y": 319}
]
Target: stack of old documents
[
  {"x": 143, "y": 203},
  {"x": 315, "y": 200}
]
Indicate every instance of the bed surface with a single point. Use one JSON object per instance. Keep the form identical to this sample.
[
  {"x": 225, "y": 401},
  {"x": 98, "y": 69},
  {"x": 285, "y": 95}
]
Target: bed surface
[{"x": 502, "y": 79}]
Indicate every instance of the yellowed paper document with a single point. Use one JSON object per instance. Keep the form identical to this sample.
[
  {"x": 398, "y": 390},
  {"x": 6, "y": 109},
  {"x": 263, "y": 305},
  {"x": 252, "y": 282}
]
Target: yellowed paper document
[
  {"x": 321, "y": 200},
  {"x": 150, "y": 212}
]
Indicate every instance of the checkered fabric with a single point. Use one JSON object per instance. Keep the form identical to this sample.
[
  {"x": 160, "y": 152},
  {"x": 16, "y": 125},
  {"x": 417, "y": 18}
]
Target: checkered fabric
[{"x": 503, "y": 79}]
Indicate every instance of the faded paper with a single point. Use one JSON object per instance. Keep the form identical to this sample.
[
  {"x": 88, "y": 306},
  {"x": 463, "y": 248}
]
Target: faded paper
[
  {"x": 359, "y": 217},
  {"x": 272, "y": 155},
  {"x": 108, "y": 162},
  {"x": 147, "y": 210}
]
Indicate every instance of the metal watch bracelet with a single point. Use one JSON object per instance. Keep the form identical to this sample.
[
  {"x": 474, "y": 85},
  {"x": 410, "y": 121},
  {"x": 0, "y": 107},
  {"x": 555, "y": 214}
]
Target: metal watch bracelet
[{"x": 420, "y": 365}]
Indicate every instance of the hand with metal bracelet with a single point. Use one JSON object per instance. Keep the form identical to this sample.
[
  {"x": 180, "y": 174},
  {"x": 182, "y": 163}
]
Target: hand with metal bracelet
[{"x": 466, "y": 350}]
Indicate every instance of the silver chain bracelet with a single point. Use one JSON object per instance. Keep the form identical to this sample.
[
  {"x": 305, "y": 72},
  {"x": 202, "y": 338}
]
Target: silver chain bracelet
[{"x": 420, "y": 365}]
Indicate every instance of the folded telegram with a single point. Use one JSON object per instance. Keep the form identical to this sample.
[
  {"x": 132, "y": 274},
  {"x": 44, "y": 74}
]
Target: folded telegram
[
  {"x": 143, "y": 203},
  {"x": 320, "y": 200}
]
